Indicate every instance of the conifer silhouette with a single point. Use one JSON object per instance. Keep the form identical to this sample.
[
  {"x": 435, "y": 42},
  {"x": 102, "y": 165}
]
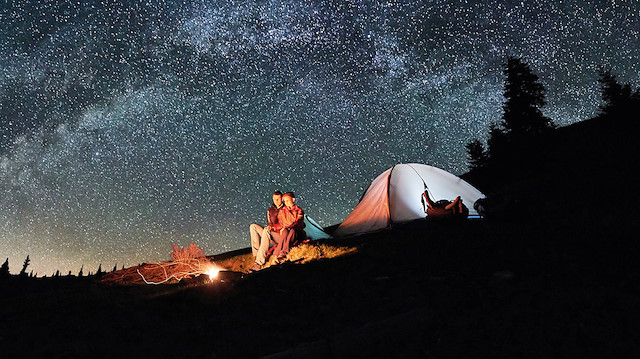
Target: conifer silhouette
[
  {"x": 525, "y": 96},
  {"x": 614, "y": 94},
  {"x": 23, "y": 272},
  {"x": 4, "y": 270},
  {"x": 477, "y": 154},
  {"x": 515, "y": 141},
  {"x": 619, "y": 101}
]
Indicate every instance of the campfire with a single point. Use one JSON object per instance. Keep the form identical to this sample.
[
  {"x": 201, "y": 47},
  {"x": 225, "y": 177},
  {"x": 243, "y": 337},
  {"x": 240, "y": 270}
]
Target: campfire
[{"x": 187, "y": 262}]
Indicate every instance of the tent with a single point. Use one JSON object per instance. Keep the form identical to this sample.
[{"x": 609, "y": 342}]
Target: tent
[
  {"x": 395, "y": 196},
  {"x": 313, "y": 229}
]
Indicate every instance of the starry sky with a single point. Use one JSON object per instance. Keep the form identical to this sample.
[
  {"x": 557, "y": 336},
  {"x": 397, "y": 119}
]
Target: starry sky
[{"x": 129, "y": 125}]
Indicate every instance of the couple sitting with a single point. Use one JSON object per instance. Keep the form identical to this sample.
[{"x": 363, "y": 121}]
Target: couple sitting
[{"x": 285, "y": 228}]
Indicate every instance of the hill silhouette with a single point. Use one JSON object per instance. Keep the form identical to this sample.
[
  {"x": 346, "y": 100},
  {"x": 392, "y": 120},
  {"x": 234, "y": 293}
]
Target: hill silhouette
[{"x": 551, "y": 272}]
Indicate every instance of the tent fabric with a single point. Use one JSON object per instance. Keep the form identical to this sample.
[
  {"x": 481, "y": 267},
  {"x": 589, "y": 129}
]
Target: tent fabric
[
  {"x": 313, "y": 229},
  {"x": 395, "y": 196},
  {"x": 373, "y": 210}
]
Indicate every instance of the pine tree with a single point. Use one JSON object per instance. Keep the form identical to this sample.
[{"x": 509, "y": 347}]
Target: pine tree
[
  {"x": 513, "y": 145},
  {"x": 80, "y": 274},
  {"x": 525, "y": 97},
  {"x": 23, "y": 272},
  {"x": 99, "y": 272},
  {"x": 614, "y": 94},
  {"x": 4, "y": 270},
  {"x": 619, "y": 100},
  {"x": 477, "y": 154}
]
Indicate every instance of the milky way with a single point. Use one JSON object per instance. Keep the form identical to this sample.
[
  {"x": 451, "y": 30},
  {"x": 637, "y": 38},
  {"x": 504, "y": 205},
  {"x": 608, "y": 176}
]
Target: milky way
[{"x": 124, "y": 128}]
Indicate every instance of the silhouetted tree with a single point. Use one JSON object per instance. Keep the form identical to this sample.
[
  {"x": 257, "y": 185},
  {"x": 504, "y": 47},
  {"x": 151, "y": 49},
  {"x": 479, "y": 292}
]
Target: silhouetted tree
[
  {"x": 513, "y": 144},
  {"x": 4, "y": 270},
  {"x": 80, "y": 274},
  {"x": 115, "y": 267},
  {"x": 477, "y": 154},
  {"x": 613, "y": 93},
  {"x": 57, "y": 274},
  {"x": 23, "y": 272},
  {"x": 619, "y": 99},
  {"x": 525, "y": 97},
  {"x": 99, "y": 273}
]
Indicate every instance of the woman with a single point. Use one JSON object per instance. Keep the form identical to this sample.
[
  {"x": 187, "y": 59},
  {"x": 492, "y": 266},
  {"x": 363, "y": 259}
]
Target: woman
[{"x": 290, "y": 226}]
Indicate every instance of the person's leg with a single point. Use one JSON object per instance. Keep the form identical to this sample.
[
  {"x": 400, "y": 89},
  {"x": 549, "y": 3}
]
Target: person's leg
[
  {"x": 430, "y": 202},
  {"x": 289, "y": 239},
  {"x": 255, "y": 230},
  {"x": 456, "y": 205},
  {"x": 280, "y": 242},
  {"x": 300, "y": 237},
  {"x": 265, "y": 239}
]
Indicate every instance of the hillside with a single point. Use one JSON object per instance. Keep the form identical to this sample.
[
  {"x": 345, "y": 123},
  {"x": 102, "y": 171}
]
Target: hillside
[
  {"x": 581, "y": 170},
  {"x": 551, "y": 273}
]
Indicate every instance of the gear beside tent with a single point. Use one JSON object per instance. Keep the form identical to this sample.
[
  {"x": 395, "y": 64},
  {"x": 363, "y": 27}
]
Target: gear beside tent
[{"x": 395, "y": 196}]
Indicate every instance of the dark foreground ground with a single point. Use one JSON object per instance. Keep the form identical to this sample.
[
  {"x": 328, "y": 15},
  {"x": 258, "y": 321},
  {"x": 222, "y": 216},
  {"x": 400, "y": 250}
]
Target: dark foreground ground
[
  {"x": 475, "y": 289},
  {"x": 553, "y": 273}
]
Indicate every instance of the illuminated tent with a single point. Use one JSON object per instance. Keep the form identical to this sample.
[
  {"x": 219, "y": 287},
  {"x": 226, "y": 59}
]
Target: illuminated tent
[
  {"x": 313, "y": 229},
  {"x": 395, "y": 196}
]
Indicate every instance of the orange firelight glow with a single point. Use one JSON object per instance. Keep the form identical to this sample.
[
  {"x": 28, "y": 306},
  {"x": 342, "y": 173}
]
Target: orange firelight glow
[{"x": 212, "y": 272}]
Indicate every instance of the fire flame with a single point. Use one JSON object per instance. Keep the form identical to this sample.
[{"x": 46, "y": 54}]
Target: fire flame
[{"x": 212, "y": 272}]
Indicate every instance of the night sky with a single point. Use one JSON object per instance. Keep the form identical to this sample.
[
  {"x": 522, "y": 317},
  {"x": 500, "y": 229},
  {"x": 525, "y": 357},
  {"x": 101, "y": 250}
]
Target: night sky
[{"x": 124, "y": 128}]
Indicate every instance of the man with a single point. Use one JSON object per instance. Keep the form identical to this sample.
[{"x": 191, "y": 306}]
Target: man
[
  {"x": 290, "y": 227},
  {"x": 261, "y": 237},
  {"x": 445, "y": 208}
]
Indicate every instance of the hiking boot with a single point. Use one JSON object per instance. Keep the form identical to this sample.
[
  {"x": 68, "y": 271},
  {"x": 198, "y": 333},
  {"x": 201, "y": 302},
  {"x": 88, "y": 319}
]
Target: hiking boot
[{"x": 255, "y": 267}]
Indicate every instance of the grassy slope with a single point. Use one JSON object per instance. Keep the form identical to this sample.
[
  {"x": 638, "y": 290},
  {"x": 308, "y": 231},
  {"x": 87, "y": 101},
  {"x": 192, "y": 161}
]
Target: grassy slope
[{"x": 558, "y": 279}]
